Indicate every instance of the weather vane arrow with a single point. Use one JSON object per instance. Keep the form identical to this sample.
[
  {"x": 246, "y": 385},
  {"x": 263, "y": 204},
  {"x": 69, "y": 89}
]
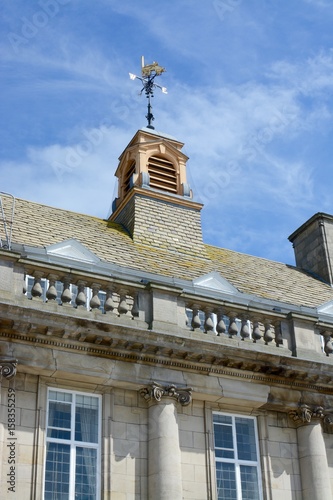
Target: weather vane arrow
[{"x": 148, "y": 74}]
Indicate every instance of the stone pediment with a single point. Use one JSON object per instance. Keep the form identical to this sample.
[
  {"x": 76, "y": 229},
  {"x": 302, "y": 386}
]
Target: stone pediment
[
  {"x": 72, "y": 249},
  {"x": 214, "y": 281}
]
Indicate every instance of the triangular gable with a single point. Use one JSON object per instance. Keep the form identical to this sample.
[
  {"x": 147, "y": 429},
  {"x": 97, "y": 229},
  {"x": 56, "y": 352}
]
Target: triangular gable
[
  {"x": 72, "y": 249},
  {"x": 214, "y": 281}
]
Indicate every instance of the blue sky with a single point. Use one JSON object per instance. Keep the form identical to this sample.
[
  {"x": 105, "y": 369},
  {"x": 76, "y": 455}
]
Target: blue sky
[{"x": 250, "y": 93}]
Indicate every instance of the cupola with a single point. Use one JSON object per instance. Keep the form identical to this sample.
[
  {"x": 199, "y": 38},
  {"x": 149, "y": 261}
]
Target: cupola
[{"x": 154, "y": 201}]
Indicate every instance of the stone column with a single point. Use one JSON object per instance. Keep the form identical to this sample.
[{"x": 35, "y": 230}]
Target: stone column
[
  {"x": 314, "y": 469},
  {"x": 164, "y": 456}
]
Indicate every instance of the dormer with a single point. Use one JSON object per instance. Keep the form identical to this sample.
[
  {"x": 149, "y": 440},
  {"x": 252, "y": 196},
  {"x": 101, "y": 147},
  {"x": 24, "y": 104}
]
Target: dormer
[{"x": 154, "y": 201}]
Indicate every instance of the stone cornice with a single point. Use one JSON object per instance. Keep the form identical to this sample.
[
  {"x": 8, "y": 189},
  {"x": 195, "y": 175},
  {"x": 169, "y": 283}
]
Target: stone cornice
[
  {"x": 128, "y": 352},
  {"x": 155, "y": 392},
  {"x": 186, "y": 350}
]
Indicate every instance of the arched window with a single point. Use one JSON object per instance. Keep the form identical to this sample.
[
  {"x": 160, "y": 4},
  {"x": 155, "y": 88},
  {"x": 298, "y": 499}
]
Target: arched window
[{"x": 162, "y": 174}]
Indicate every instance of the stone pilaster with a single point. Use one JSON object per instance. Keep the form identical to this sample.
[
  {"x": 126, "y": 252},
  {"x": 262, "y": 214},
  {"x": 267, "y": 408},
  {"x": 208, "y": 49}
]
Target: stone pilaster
[
  {"x": 164, "y": 456},
  {"x": 312, "y": 452}
]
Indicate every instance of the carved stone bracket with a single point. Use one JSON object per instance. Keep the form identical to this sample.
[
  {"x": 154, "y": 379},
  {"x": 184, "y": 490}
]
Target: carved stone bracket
[
  {"x": 7, "y": 367},
  {"x": 157, "y": 392},
  {"x": 305, "y": 413}
]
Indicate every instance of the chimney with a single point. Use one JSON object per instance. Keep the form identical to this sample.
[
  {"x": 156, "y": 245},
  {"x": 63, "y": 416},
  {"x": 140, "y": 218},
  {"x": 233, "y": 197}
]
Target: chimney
[
  {"x": 313, "y": 246},
  {"x": 154, "y": 200}
]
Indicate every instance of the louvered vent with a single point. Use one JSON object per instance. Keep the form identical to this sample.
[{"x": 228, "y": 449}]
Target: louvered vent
[
  {"x": 162, "y": 174},
  {"x": 127, "y": 177}
]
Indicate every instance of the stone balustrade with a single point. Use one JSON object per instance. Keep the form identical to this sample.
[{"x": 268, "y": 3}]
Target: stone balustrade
[
  {"x": 117, "y": 298},
  {"x": 233, "y": 323},
  {"x": 111, "y": 298}
]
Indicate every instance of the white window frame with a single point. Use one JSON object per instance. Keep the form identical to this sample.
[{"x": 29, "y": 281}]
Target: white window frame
[
  {"x": 238, "y": 462},
  {"x": 72, "y": 443}
]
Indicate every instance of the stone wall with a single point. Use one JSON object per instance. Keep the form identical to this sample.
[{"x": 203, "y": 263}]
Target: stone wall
[{"x": 164, "y": 225}]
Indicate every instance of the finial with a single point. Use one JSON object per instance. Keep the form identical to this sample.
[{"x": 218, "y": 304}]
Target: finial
[{"x": 148, "y": 74}]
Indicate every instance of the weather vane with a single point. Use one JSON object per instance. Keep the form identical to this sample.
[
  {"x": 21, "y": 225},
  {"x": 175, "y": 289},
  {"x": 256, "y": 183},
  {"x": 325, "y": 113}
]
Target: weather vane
[{"x": 148, "y": 75}]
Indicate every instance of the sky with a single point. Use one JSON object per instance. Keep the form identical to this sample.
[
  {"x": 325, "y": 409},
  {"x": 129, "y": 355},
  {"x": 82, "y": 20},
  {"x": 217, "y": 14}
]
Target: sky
[{"x": 250, "y": 94}]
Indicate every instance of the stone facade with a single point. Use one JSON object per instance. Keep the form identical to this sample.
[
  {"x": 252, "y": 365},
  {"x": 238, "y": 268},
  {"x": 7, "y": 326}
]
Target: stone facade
[{"x": 166, "y": 367}]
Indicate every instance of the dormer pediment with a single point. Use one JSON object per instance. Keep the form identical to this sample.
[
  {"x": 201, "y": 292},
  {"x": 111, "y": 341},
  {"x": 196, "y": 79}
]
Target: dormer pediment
[
  {"x": 73, "y": 250},
  {"x": 215, "y": 282},
  {"x": 158, "y": 146}
]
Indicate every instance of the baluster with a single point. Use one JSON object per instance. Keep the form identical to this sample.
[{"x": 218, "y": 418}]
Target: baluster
[
  {"x": 81, "y": 298},
  {"x": 256, "y": 333},
  {"x": 135, "y": 309},
  {"x": 209, "y": 323},
  {"x": 110, "y": 305},
  {"x": 278, "y": 333},
  {"x": 123, "y": 307},
  {"x": 51, "y": 293},
  {"x": 66, "y": 296},
  {"x": 328, "y": 346},
  {"x": 245, "y": 331},
  {"x": 95, "y": 302},
  {"x": 233, "y": 329},
  {"x": 268, "y": 335},
  {"x": 220, "y": 327},
  {"x": 37, "y": 290},
  {"x": 196, "y": 321}
]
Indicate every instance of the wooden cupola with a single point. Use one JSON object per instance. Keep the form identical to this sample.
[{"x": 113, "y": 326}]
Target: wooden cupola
[{"x": 154, "y": 201}]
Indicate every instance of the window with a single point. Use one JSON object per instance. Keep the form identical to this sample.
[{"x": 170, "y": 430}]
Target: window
[
  {"x": 236, "y": 458},
  {"x": 72, "y": 462}
]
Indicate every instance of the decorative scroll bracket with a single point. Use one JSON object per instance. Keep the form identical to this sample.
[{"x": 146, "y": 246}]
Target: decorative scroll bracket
[
  {"x": 157, "y": 392},
  {"x": 7, "y": 367}
]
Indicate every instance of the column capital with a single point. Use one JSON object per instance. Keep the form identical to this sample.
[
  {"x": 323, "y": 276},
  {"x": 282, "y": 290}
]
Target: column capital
[
  {"x": 305, "y": 414},
  {"x": 7, "y": 367},
  {"x": 157, "y": 391}
]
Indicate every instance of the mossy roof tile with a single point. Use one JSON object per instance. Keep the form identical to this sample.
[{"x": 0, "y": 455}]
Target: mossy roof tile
[{"x": 39, "y": 225}]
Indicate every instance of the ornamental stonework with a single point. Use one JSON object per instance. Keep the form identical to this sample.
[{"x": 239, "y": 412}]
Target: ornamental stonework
[
  {"x": 157, "y": 392},
  {"x": 304, "y": 414},
  {"x": 7, "y": 367}
]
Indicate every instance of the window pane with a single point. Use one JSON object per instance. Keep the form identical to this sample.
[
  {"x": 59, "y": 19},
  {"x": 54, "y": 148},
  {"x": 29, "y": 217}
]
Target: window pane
[
  {"x": 226, "y": 481},
  {"x": 57, "y": 471},
  {"x": 59, "y": 415},
  {"x": 86, "y": 419},
  {"x": 223, "y": 439},
  {"x": 222, "y": 419},
  {"x": 60, "y": 396},
  {"x": 58, "y": 434},
  {"x": 246, "y": 443},
  {"x": 249, "y": 480},
  {"x": 85, "y": 474}
]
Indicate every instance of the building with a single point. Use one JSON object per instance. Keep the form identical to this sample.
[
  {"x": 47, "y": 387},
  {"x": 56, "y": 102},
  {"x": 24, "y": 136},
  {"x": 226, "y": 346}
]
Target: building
[{"x": 139, "y": 363}]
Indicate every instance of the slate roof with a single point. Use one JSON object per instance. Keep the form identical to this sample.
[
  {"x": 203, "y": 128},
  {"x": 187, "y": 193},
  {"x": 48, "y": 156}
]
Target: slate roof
[{"x": 40, "y": 226}]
